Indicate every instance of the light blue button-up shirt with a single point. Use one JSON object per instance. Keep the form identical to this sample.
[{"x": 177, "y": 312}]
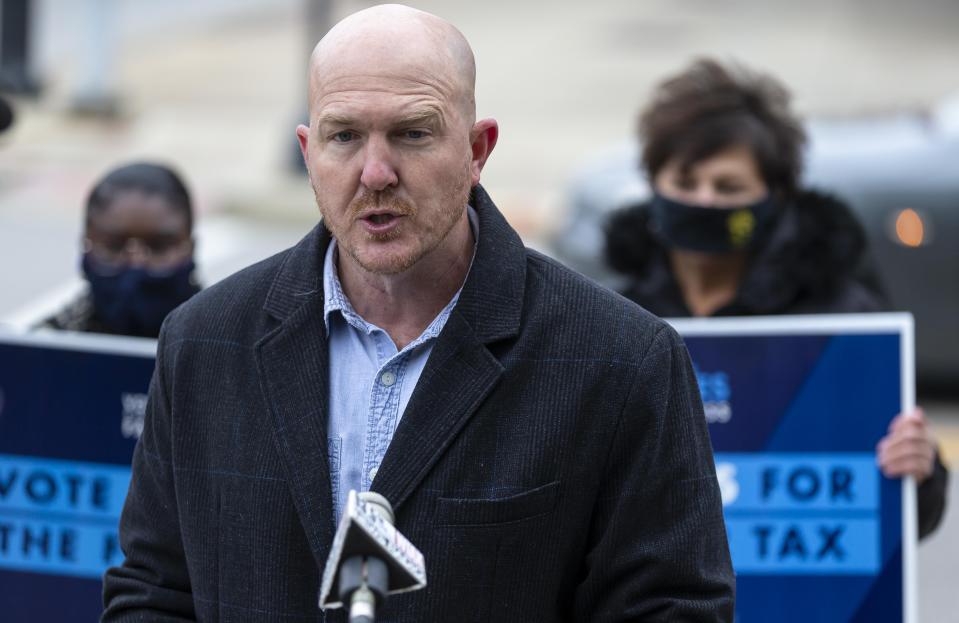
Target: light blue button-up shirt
[{"x": 370, "y": 383}]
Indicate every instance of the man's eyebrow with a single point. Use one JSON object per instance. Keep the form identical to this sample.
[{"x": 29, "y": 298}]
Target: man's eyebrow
[
  {"x": 428, "y": 115},
  {"x": 425, "y": 116},
  {"x": 332, "y": 118}
]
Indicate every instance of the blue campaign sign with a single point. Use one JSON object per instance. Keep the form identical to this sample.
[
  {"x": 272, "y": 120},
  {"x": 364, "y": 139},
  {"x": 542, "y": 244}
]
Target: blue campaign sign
[
  {"x": 796, "y": 406},
  {"x": 71, "y": 409}
]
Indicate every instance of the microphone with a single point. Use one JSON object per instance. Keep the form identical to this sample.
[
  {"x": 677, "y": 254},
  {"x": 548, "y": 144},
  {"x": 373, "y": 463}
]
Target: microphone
[{"x": 369, "y": 559}]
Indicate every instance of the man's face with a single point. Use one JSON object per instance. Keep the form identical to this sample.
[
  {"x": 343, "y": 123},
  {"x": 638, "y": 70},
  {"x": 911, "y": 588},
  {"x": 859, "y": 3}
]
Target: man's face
[{"x": 389, "y": 157}]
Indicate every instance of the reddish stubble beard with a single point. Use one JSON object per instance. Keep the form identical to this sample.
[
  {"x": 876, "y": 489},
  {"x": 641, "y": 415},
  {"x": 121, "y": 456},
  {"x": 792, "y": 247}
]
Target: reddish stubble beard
[
  {"x": 380, "y": 201},
  {"x": 429, "y": 231}
]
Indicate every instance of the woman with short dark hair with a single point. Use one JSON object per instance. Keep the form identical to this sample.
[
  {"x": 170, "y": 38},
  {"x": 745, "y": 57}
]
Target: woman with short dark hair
[
  {"x": 709, "y": 107},
  {"x": 725, "y": 137},
  {"x": 729, "y": 232}
]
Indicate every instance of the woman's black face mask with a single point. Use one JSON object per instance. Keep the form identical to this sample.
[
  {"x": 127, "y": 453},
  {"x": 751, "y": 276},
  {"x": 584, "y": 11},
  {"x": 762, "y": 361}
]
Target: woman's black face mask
[{"x": 710, "y": 230}]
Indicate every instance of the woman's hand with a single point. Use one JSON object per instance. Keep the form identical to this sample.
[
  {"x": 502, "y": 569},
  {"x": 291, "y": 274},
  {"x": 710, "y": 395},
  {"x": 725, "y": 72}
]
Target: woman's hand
[{"x": 908, "y": 449}]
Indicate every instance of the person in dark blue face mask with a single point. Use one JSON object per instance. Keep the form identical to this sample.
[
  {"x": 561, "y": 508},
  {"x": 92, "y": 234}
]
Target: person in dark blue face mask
[
  {"x": 137, "y": 253},
  {"x": 728, "y": 231}
]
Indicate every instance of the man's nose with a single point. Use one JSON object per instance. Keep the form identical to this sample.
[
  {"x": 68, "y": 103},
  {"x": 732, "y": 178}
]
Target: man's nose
[{"x": 379, "y": 171}]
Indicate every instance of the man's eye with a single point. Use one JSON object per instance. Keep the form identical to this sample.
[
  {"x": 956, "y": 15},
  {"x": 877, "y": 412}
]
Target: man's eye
[
  {"x": 344, "y": 137},
  {"x": 415, "y": 134}
]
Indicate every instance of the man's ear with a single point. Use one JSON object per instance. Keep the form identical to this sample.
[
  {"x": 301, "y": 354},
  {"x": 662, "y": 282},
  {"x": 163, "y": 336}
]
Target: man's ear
[
  {"x": 483, "y": 138},
  {"x": 303, "y": 135}
]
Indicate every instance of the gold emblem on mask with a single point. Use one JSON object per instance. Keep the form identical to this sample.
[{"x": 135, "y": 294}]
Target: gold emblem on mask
[{"x": 741, "y": 224}]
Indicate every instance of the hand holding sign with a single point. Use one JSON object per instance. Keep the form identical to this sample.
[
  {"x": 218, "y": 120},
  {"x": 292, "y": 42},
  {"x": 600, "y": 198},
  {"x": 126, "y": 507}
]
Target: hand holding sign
[{"x": 909, "y": 448}]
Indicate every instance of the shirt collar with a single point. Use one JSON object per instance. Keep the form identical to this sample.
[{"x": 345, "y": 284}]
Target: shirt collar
[{"x": 334, "y": 299}]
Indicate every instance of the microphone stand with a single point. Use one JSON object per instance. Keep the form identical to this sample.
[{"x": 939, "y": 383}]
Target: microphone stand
[{"x": 365, "y": 580}]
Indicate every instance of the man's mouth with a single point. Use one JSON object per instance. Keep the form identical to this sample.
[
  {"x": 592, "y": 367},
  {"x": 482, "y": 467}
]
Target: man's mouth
[
  {"x": 380, "y": 215},
  {"x": 381, "y": 223},
  {"x": 381, "y": 218}
]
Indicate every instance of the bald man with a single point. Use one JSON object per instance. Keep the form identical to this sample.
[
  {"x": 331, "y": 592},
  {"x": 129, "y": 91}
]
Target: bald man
[{"x": 541, "y": 439}]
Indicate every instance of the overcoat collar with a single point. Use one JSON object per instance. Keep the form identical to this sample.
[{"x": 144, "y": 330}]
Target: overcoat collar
[{"x": 293, "y": 365}]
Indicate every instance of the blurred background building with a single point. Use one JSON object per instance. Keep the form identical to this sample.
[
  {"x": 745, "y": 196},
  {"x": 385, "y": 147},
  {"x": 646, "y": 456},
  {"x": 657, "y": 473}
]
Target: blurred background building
[{"x": 216, "y": 88}]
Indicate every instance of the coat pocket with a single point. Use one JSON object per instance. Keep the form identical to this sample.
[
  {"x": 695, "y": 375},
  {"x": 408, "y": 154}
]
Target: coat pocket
[{"x": 493, "y": 511}]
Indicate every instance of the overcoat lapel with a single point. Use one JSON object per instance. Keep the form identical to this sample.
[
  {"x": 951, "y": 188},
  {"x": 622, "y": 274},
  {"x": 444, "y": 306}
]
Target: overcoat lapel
[
  {"x": 459, "y": 375},
  {"x": 461, "y": 371},
  {"x": 293, "y": 364}
]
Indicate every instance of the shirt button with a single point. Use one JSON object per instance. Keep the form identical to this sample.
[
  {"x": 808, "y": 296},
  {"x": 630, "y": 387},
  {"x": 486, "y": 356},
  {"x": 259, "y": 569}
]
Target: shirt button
[
  {"x": 387, "y": 378},
  {"x": 373, "y": 473}
]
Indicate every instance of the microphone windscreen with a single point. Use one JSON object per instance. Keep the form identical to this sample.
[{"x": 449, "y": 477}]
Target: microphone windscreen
[{"x": 366, "y": 529}]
